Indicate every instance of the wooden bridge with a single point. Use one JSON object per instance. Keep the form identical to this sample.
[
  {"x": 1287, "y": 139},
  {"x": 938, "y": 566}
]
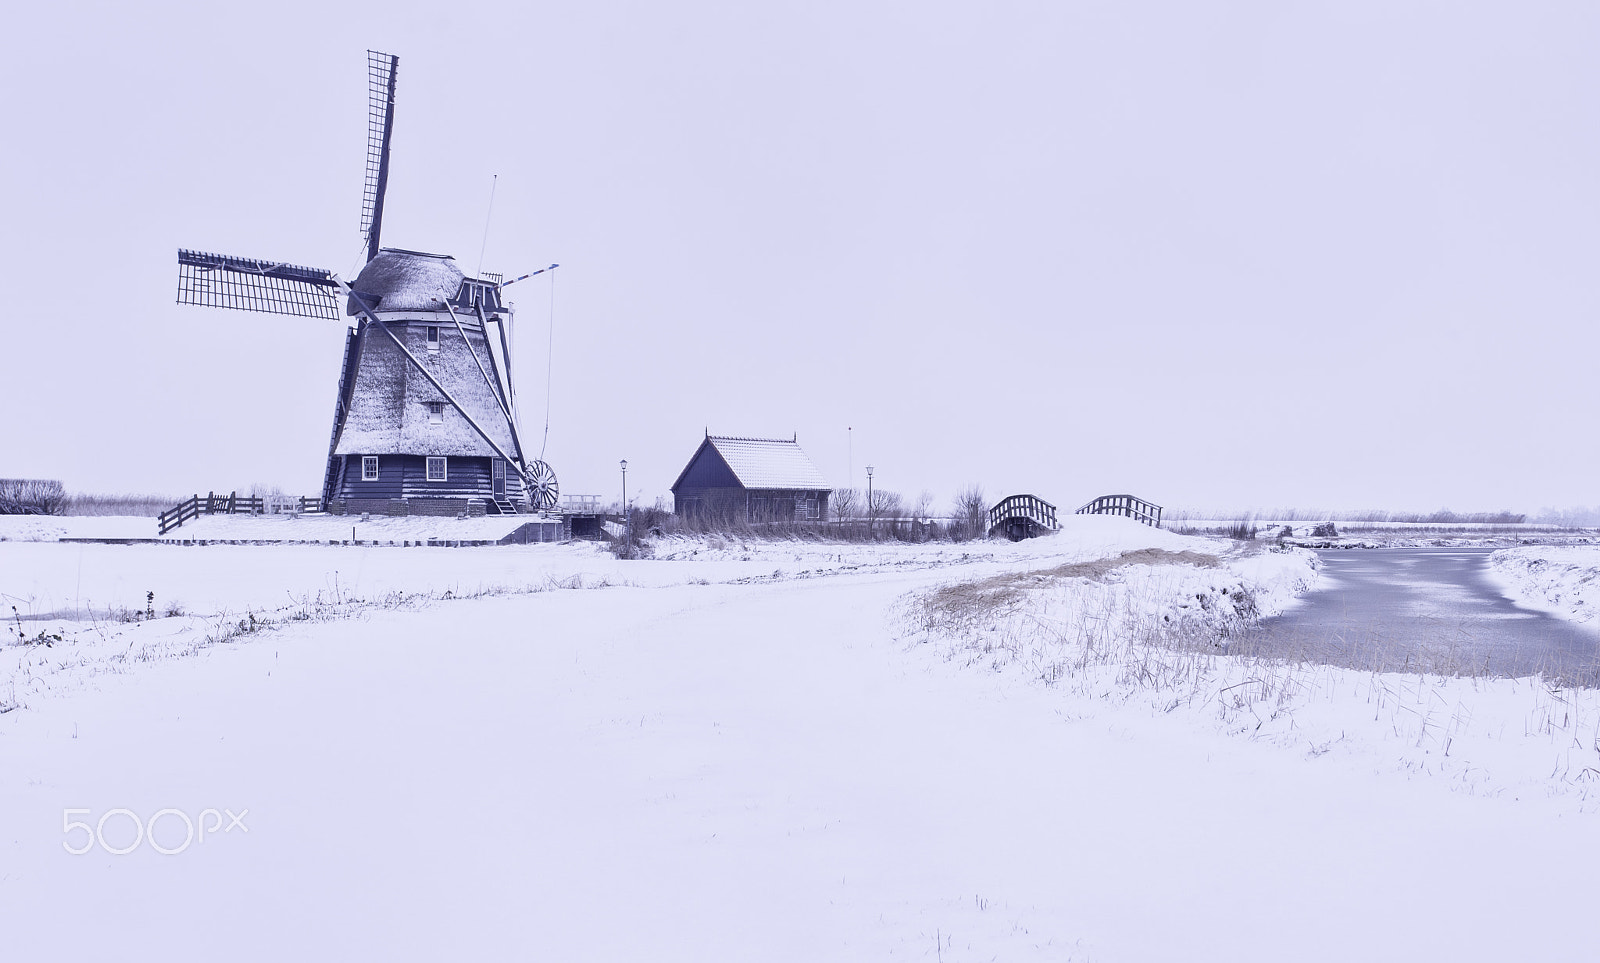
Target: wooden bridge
[
  {"x": 1134, "y": 508},
  {"x": 1022, "y": 516}
]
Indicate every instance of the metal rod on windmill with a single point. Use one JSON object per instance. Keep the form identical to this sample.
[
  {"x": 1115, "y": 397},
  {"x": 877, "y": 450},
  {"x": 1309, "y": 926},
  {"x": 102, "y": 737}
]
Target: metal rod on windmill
[{"x": 524, "y": 277}]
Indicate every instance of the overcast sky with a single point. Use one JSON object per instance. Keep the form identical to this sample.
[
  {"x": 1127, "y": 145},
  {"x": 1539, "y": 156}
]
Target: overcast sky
[{"x": 1218, "y": 255}]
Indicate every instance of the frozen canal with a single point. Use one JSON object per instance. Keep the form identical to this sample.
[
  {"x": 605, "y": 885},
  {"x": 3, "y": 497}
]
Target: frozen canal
[{"x": 1428, "y": 609}]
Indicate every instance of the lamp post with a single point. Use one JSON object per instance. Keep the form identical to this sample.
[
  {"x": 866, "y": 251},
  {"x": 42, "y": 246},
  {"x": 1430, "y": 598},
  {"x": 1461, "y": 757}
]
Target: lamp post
[
  {"x": 872, "y": 510},
  {"x": 627, "y": 546}
]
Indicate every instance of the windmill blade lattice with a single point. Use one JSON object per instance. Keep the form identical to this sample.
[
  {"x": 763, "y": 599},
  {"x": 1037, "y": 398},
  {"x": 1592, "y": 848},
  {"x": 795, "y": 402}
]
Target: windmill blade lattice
[
  {"x": 249, "y": 284},
  {"x": 381, "y": 71}
]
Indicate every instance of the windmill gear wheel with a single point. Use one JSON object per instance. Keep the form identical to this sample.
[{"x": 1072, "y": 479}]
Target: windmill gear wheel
[{"x": 543, "y": 491}]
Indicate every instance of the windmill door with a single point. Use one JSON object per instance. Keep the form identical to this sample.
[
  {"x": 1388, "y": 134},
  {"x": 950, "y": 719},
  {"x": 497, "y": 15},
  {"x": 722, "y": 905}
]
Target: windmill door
[{"x": 497, "y": 483}]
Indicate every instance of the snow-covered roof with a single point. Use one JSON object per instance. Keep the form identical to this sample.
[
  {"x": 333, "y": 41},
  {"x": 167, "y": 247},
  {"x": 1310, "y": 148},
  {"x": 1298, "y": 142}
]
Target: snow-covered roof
[
  {"x": 407, "y": 281},
  {"x": 389, "y": 405},
  {"x": 763, "y": 463}
]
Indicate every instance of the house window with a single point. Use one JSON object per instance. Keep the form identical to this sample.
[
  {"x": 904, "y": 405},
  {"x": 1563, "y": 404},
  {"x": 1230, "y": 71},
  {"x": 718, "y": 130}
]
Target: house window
[
  {"x": 369, "y": 467},
  {"x": 436, "y": 468},
  {"x": 433, "y": 339},
  {"x": 435, "y": 412}
]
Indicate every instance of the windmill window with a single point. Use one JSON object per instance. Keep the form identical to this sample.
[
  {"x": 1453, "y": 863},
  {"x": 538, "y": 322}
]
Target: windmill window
[
  {"x": 436, "y": 469},
  {"x": 369, "y": 467},
  {"x": 435, "y": 412},
  {"x": 433, "y": 338}
]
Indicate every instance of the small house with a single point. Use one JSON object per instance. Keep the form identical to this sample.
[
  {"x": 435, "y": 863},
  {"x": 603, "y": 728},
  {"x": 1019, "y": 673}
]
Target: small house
[{"x": 750, "y": 480}]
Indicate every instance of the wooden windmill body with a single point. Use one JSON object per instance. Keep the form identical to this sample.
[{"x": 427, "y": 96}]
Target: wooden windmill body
[{"x": 425, "y": 419}]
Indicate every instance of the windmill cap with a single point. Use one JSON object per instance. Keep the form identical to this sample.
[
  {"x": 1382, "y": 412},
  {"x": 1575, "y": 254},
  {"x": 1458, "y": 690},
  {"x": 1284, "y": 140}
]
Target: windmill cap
[{"x": 399, "y": 280}]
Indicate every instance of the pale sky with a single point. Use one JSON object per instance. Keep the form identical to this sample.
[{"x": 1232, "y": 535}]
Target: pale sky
[{"x": 1232, "y": 255}]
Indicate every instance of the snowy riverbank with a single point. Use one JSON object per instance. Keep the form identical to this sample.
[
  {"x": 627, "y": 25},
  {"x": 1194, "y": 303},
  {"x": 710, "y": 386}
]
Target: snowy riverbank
[{"x": 1563, "y": 581}]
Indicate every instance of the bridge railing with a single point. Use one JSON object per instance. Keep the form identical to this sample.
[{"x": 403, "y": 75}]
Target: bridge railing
[
  {"x": 1126, "y": 505},
  {"x": 1029, "y": 507}
]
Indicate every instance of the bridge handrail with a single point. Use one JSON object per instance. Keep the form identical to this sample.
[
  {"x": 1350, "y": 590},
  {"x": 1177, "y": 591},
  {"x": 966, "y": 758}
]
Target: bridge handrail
[
  {"x": 1130, "y": 506},
  {"x": 1031, "y": 507}
]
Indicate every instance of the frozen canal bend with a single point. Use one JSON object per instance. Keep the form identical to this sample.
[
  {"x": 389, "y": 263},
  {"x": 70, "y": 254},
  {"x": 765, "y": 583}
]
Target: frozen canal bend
[{"x": 1428, "y": 609}]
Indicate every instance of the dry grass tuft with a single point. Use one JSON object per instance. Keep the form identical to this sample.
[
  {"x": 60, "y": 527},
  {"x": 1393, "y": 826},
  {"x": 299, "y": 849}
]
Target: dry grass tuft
[
  {"x": 148, "y": 506},
  {"x": 961, "y": 605}
]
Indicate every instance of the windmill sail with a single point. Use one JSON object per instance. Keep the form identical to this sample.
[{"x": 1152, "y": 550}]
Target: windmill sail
[
  {"x": 248, "y": 284},
  {"x": 381, "y": 69}
]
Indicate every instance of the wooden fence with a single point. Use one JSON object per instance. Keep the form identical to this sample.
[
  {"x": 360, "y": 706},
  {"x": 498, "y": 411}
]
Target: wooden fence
[{"x": 232, "y": 504}]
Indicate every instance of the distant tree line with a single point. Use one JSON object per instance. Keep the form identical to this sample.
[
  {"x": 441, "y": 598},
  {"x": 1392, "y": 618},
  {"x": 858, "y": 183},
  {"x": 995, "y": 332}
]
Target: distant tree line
[
  {"x": 1444, "y": 516},
  {"x": 1576, "y": 516}
]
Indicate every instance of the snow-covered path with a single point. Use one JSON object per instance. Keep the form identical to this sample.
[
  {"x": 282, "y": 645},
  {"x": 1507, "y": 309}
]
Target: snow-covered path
[{"x": 730, "y": 772}]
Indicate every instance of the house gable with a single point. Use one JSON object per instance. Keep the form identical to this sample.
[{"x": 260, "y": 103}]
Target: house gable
[{"x": 707, "y": 469}]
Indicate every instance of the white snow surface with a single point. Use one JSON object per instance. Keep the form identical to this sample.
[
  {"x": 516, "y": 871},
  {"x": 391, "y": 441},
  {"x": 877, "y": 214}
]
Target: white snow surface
[
  {"x": 1564, "y": 581},
  {"x": 265, "y": 528},
  {"x": 759, "y": 751}
]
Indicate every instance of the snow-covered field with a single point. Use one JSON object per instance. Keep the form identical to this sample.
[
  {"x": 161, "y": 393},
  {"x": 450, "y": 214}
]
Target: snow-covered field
[
  {"x": 262, "y": 528},
  {"x": 756, "y": 751}
]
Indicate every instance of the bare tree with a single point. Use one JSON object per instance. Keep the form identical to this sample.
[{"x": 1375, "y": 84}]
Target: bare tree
[
  {"x": 886, "y": 504},
  {"x": 884, "y": 510},
  {"x": 972, "y": 513},
  {"x": 845, "y": 503},
  {"x": 921, "y": 512}
]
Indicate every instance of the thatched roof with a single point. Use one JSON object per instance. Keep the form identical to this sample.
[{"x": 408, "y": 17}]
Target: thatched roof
[
  {"x": 389, "y": 402},
  {"x": 407, "y": 281}
]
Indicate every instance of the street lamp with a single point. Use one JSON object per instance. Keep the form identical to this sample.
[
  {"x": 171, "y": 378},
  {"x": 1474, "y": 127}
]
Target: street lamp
[
  {"x": 871, "y": 509},
  {"x": 626, "y": 547}
]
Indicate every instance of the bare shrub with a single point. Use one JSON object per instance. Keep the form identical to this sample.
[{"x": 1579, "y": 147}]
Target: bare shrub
[
  {"x": 641, "y": 526},
  {"x": 32, "y": 496}
]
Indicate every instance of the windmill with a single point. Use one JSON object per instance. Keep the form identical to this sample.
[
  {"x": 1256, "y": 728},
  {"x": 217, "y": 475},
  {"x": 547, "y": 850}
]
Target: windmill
[{"x": 425, "y": 419}]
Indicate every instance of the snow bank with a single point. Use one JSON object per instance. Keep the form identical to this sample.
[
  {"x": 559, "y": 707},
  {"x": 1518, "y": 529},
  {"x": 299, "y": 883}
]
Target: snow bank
[
  {"x": 50, "y": 528},
  {"x": 110, "y": 604},
  {"x": 1149, "y": 633},
  {"x": 1564, "y": 581}
]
